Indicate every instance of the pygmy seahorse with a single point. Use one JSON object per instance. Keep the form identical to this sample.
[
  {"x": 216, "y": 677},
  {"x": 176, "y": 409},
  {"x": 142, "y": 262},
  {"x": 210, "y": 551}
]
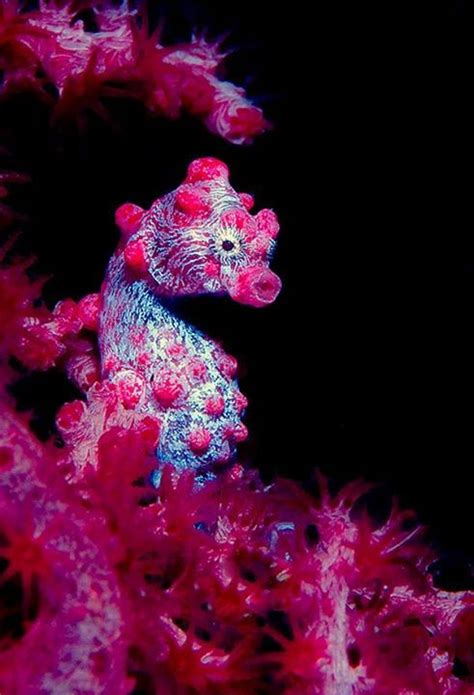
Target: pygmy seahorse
[{"x": 199, "y": 239}]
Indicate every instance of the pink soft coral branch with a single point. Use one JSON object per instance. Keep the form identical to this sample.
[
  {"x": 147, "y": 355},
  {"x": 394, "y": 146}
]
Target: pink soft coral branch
[
  {"x": 52, "y": 46},
  {"x": 227, "y": 588}
]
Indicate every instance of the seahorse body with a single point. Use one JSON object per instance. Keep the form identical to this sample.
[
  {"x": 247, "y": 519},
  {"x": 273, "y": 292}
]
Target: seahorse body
[{"x": 199, "y": 239}]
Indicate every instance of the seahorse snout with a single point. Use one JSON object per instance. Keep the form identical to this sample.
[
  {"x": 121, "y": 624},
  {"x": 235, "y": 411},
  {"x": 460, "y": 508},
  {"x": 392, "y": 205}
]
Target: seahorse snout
[{"x": 256, "y": 286}]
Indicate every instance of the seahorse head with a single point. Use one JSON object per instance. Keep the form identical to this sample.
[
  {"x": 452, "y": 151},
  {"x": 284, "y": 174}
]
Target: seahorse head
[{"x": 202, "y": 239}]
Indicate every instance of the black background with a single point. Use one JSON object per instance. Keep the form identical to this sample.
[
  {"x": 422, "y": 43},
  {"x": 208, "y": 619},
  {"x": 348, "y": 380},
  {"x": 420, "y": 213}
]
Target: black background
[{"x": 364, "y": 365}]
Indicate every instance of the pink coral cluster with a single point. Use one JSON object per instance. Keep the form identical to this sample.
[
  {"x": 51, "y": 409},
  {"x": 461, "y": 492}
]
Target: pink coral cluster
[
  {"x": 52, "y": 46},
  {"x": 112, "y": 585}
]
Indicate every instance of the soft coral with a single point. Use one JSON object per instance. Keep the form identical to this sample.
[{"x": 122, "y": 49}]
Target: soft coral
[
  {"x": 52, "y": 46},
  {"x": 78, "y": 621}
]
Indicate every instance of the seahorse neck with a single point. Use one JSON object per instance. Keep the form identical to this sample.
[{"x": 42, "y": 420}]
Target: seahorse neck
[{"x": 133, "y": 315}]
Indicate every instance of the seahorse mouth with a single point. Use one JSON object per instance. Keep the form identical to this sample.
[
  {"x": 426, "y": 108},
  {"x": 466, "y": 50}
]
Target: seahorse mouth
[{"x": 256, "y": 287}]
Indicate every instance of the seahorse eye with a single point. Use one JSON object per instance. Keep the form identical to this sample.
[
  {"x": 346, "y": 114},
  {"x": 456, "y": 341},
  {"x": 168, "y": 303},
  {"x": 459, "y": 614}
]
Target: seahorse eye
[{"x": 228, "y": 245}]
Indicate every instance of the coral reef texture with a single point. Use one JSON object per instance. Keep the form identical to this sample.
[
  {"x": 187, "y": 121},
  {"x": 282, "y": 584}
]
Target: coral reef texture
[{"x": 137, "y": 555}]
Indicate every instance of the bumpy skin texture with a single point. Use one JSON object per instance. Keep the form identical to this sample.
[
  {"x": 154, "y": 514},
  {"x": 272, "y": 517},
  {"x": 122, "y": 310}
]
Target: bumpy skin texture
[{"x": 199, "y": 239}]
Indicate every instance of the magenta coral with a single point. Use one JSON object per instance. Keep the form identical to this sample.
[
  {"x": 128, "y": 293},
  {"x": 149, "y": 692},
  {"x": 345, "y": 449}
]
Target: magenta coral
[
  {"x": 137, "y": 555},
  {"x": 51, "y": 46},
  {"x": 61, "y": 614}
]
